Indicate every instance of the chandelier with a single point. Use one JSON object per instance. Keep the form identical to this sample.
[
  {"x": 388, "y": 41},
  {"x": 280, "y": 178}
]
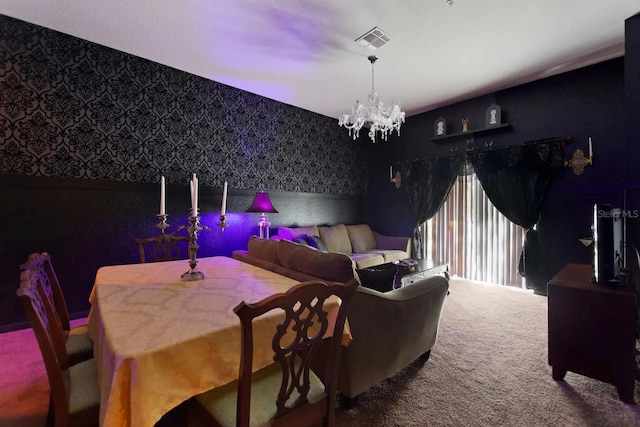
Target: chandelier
[{"x": 374, "y": 114}]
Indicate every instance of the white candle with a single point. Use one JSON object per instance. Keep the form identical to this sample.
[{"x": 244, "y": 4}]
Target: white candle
[
  {"x": 195, "y": 195},
  {"x": 390, "y": 172},
  {"x": 191, "y": 192},
  {"x": 223, "y": 210},
  {"x": 590, "y": 148},
  {"x": 162, "y": 196}
]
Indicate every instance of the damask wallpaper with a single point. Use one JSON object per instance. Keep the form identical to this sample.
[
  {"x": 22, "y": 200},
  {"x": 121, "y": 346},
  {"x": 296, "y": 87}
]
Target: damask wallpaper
[{"x": 72, "y": 108}]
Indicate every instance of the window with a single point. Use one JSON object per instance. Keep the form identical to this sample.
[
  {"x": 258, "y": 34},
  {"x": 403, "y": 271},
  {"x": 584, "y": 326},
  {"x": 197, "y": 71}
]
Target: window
[{"x": 478, "y": 241}]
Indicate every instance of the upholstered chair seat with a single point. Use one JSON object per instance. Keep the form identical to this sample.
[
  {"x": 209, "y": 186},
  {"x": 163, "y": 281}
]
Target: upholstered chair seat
[
  {"x": 287, "y": 392},
  {"x": 74, "y": 390},
  {"x": 265, "y": 384}
]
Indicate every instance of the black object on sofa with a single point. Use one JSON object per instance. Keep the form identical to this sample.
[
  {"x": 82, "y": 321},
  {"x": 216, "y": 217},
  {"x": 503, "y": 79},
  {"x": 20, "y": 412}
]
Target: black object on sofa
[{"x": 382, "y": 277}]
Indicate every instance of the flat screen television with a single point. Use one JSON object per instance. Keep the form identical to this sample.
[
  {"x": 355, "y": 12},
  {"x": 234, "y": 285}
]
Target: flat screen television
[{"x": 607, "y": 243}]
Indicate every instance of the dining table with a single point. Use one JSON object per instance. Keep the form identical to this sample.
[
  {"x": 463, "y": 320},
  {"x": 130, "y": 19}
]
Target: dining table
[{"x": 159, "y": 340}]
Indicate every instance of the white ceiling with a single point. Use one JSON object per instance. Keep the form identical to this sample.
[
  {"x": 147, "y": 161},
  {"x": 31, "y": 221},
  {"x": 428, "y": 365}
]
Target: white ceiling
[{"x": 303, "y": 53}]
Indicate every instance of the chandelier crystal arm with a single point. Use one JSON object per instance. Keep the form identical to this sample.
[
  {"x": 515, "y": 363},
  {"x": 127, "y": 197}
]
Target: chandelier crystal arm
[{"x": 374, "y": 114}]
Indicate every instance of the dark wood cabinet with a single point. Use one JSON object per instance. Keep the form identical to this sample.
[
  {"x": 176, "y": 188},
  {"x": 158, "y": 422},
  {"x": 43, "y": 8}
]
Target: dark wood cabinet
[{"x": 592, "y": 329}]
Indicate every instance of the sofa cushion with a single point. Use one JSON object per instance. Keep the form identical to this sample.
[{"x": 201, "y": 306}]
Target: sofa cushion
[
  {"x": 336, "y": 238},
  {"x": 389, "y": 255},
  {"x": 323, "y": 265},
  {"x": 367, "y": 259},
  {"x": 264, "y": 249},
  {"x": 289, "y": 233},
  {"x": 361, "y": 237}
]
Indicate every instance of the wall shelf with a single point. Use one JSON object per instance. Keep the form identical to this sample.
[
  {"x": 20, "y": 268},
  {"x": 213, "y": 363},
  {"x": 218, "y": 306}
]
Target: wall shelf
[{"x": 470, "y": 132}]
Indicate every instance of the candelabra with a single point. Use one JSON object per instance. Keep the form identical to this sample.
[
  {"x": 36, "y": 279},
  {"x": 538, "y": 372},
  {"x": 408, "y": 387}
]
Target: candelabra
[
  {"x": 194, "y": 226},
  {"x": 193, "y": 229}
]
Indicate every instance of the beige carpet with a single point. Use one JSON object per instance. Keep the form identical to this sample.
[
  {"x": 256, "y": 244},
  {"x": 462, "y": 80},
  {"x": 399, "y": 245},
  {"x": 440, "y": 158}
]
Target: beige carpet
[{"x": 488, "y": 368}]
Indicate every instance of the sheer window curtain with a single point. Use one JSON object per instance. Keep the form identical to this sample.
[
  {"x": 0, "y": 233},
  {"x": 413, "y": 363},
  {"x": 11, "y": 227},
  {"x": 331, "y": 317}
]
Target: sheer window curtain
[
  {"x": 515, "y": 179},
  {"x": 477, "y": 240}
]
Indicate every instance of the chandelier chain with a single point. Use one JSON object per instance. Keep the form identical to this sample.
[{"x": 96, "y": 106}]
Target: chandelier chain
[
  {"x": 373, "y": 79},
  {"x": 372, "y": 59}
]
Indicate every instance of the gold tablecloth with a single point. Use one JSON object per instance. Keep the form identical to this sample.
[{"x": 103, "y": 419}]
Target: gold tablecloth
[{"x": 159, "y": 340}]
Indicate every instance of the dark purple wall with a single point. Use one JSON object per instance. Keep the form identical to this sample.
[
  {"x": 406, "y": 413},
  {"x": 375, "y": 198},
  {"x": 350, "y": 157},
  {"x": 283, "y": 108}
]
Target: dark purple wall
[
  {"x": 632, "y": 126},
  {"x": 582, "y": 103}
]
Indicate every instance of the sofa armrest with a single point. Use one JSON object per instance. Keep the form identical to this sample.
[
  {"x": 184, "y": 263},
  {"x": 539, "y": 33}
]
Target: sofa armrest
[
  {"x": 397, "y": 243},
  {"x": 390, "y": 330}
]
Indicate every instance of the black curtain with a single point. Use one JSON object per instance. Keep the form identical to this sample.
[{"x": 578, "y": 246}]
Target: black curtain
[
  {"x": 516, "y": 179},
  {"x": 428, "y": 182}
]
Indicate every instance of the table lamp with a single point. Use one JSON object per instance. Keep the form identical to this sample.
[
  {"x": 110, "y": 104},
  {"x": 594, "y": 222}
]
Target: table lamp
[{"x": 262, "y": 204}]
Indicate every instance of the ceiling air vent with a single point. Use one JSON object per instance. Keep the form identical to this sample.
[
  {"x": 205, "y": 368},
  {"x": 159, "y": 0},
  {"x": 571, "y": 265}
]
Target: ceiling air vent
[{"x": 373, "y": 39}]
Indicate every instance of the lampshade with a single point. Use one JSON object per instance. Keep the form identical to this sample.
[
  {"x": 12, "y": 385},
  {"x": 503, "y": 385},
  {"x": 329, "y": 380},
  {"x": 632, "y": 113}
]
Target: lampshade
[{"x": 262, "y": 203}]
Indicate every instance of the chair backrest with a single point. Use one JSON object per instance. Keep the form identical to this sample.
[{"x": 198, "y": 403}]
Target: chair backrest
[
  {"x": 40, "y": 264},
  {"x": 295, "y": 341},
  {"x": 165, "y": 247},
  {"x": 49, "y": 335}
]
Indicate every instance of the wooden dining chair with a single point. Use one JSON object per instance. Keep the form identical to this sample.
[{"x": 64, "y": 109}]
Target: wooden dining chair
[
  {"x": 165, "y": 247},
  {"x": 75, "y": 394},
  {"x": 78, "y": 345},
  {"x": 287, "y": 392}
]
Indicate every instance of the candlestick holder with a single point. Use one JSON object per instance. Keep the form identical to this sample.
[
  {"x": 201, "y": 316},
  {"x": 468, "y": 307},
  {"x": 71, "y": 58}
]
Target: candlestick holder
[
  {"x": 162, "y": 222},
  {"x": 222, "y": 222},
  {"x": 193, "y": 229}
]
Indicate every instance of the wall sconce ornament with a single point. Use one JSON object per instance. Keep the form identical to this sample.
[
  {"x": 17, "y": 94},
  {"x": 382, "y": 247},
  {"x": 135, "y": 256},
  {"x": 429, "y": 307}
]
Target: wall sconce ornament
[
  {"x": 578, "y": 161},
  {"x": 397, "y": 180},
  {"x": 465, "y": 124}
]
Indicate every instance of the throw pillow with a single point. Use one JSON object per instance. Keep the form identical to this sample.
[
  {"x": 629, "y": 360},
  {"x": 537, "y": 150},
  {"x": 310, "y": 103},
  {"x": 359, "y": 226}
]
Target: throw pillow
[
  {"x": 301, "y": 240},
  {"x": 316, "y": 242},
  {"x": 336, "y": 239},
  {"x": 362, "y": 238},
  {"x": 289, "y": 233}
]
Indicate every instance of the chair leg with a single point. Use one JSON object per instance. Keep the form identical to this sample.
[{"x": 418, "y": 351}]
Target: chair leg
[
  {"x": 50, "y": 415},
  {"x": 346, "y": 402},
  {"x": 177, "y": 417}
]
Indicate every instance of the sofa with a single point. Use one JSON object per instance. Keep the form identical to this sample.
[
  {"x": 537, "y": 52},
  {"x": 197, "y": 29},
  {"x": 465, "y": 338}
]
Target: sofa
[
  {"x": 390, "y": 329},
  {"x": 364, "y": 246}
]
